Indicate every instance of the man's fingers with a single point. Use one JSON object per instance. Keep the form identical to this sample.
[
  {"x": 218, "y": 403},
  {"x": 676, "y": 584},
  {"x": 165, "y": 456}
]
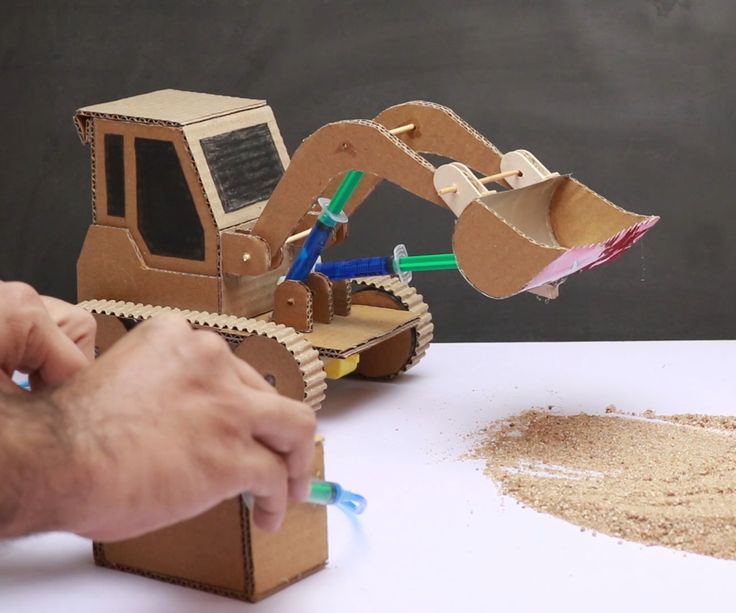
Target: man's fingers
[
  {"x": 287, "y": 427},
  {"x": 269, "y": 485},
  {"x": 30, "y": 339},
  {"x": 299, "y": 488},
  {"x": 76, "y": 323}
]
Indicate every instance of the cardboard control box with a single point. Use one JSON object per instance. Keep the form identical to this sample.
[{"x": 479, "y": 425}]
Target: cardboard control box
[{"x": 221, "y": 551}]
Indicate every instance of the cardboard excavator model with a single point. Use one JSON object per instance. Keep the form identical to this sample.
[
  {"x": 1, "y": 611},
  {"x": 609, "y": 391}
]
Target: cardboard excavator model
[{"x": 197, "y": 209}]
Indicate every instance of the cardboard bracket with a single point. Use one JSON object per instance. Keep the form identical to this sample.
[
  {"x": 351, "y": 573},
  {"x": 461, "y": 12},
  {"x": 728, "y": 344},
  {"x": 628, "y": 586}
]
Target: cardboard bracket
[
  {"x": 532, "y": 170},
  {"x": 294, "y": 306},
  {"x": 342, "y": 297},
  {"x": 323, "y": 303},
  {"x": 467, "y": 187},
  {"x": 243, "y": 254}
]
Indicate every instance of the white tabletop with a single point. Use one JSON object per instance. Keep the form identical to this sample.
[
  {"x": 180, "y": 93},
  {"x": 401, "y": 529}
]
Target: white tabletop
[{"x": 436, "y": 535}]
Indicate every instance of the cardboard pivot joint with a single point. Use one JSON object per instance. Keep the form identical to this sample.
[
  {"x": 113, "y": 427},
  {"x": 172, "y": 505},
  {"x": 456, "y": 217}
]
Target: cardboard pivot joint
[
  {"x": 198, "y": 210},
  {"x": 221, "y": 551}
]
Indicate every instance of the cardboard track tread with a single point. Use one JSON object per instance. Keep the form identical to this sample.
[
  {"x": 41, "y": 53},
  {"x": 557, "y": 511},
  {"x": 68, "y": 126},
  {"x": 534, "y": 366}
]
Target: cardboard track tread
[
  {"x": 229, "y": 326},
  {"x": 412, "y": 301}
]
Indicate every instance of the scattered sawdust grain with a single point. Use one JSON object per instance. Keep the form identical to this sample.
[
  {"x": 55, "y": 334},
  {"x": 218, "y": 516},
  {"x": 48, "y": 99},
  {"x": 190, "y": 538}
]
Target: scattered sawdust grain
[{"x": 661, "y": 480}]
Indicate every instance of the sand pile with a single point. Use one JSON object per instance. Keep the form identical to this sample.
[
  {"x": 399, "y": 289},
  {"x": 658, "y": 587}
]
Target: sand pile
[{"x": 657, "y": 480}]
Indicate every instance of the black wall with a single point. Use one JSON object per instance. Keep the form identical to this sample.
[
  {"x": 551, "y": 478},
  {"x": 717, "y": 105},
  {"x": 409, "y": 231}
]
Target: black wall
[{"x": 636, "y": 98}]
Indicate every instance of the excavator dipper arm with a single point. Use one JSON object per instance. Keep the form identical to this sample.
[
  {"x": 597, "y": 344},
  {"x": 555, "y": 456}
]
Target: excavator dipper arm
[{"x": 330, "y": 152}]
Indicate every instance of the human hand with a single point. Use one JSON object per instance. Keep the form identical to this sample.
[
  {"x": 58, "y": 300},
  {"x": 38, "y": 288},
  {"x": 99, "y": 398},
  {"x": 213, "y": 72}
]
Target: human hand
[
  {"x": 44, "y": 337},
  {"x": 166, "y": 424}
]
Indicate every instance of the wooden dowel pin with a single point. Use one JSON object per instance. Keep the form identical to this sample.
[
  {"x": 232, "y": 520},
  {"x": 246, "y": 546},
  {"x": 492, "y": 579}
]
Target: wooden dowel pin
[
  {"x": 451, "y": 189},
  {"x": 298, "y": 236},
  {"x": 402, "y": 129}
]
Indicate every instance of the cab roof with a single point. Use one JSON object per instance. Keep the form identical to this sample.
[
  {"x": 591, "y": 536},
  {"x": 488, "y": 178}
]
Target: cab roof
[{"x": 169, "y": 107}]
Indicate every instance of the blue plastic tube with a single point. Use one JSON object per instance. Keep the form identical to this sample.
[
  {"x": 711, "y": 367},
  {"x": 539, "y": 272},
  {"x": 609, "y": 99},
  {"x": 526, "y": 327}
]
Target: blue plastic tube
[{"x": 362, "y": 267}]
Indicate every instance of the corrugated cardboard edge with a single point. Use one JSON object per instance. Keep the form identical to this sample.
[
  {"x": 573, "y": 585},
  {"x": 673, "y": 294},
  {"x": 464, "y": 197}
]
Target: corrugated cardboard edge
[{"x": 164, "y": 107}]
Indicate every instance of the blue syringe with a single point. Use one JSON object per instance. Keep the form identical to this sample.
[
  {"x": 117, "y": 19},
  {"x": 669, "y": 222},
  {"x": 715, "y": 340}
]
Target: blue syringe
[
  {"x": 400, "y": 263},
  {"x": 332, "y": 214}
]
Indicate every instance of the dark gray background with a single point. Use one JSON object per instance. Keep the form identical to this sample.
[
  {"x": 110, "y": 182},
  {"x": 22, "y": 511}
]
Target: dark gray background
[{"x": 636, "y": 98}]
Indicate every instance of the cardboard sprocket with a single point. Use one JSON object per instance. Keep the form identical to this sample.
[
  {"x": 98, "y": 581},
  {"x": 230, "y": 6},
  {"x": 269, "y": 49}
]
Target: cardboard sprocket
[{"x": 198, "y": 210}]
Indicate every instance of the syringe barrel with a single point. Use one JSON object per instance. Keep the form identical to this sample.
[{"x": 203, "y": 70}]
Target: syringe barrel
[
  {"x": 361, "y": 267},
  {"x": 310, "y": 251}
]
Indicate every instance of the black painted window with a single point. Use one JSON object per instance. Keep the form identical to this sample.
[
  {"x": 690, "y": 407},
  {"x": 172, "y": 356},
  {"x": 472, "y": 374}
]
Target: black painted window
[
  {"x": 114, "y": 175},
  {"x": 245, "y": 165},
  {"x": 167, "y": 216}
]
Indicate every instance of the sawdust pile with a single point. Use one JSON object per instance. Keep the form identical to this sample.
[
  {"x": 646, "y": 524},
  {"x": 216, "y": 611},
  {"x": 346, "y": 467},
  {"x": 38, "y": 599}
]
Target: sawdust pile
[{"x": 659, "y": 480}]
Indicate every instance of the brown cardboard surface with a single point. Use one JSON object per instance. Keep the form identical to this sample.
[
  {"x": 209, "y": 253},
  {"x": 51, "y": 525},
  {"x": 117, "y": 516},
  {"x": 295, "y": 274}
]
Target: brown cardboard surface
[
  {"x": 293, "y": 306},
  {"x": 322, "y": 297},
  {"x": 298, "y": 548},
  {"x": 334, "y": 149},
  {"x": 437, "y": 130},
  {"x": 579, "y": 216},
  {"x": 241, "y": 253},
  {"x": 526, "y": 209},
  {"x": 167, "y": 106},
  {"x": 207, "y": 549},
  {"x": 493, "y": 257},
  {"x": 366, "y": 326},
  {"x": 110, "y": 266},
  {"x": 247, "y": 296},
  {"x": 222, "y": 552}
]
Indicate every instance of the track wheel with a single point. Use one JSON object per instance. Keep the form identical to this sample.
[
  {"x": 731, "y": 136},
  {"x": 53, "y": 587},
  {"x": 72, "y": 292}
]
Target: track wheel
[
  {"x": 401, "y": 352},
  {"x": 275, "y": 364}
]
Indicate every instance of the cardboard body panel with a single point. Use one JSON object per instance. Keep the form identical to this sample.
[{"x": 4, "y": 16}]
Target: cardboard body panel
[
  {"x": 110, "y": 266},
  {"x": 221, "y": 551},
  {"x": 366, "y": 326},
  {"x": 169, "y": 106},
  {"x": 131, "y": 131},
  {"x": 221, "y": 125},
  {"x": 208, "y": 549}
]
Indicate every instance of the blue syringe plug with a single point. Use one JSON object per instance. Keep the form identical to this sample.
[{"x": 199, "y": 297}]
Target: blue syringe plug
[{"x": 329, "y": 492}]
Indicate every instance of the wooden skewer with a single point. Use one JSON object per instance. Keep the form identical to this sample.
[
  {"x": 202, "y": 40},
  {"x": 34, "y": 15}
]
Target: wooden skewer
[
  {"x": 451, "y": 189},
  {"x": 500, "y": 175},
  {"x": 402, "y": 129},
  {"x": 298, "y": 236}
]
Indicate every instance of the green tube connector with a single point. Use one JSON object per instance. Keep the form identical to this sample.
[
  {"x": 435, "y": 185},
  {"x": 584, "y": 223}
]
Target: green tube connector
[
  {"x": 332, "y": 215},
  {"x": 438, "y": 261}
]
